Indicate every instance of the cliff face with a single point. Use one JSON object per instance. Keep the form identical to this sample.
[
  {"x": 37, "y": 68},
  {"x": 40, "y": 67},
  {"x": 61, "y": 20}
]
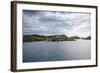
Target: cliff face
[{"x": 29, "y": 38}]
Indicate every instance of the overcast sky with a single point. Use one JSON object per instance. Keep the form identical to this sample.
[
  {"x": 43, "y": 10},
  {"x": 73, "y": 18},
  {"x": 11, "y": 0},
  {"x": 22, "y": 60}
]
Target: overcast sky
[{"x": 56, "y": 23}]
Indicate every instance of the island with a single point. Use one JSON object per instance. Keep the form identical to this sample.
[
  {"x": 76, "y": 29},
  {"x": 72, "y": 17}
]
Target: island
[
  {"x": 36, "y": 37},
  {"x": 87, "y": 38}
]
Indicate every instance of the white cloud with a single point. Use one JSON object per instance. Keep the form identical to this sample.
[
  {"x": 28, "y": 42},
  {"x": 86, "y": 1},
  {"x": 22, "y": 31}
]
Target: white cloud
[{"x": 68, "y": 23}]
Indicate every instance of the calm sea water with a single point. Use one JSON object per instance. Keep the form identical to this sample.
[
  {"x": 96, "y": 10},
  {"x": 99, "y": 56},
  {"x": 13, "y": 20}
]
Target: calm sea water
[{"x": 56, "y": 51}]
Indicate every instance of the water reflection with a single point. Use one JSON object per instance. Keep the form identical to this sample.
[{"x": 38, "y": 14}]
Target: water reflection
[{"x": 56, "y": 51}]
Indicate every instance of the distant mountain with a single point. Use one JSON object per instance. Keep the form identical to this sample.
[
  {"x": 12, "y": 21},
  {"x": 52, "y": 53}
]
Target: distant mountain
[
  {"x": 35, "y": 37},
  {"x": 75, "y": 37},
  {"x": 30, "y": 38},
  {"x": 88, "y": 38}
]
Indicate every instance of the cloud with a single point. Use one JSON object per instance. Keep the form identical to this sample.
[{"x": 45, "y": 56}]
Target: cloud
[{"x": 53, "y": 22}]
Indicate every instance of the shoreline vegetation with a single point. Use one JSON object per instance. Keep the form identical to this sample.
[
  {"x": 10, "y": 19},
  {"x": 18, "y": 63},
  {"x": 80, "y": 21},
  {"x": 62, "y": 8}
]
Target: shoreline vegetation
[{"x": 36, "y": 37}]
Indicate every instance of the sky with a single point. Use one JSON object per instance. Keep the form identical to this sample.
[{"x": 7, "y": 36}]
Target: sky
[{"x": 56, "y": 23}]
